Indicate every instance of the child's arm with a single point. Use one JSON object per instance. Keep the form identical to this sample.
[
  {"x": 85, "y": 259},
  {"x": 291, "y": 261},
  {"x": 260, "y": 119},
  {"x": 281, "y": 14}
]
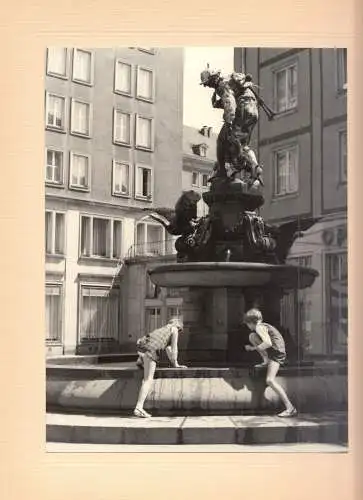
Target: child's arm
[
  {"x": 262, "y": 332},
  {"x": 172, "y": 351}
]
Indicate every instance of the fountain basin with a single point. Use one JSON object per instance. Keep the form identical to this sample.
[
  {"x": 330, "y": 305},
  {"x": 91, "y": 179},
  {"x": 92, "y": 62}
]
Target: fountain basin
[
  {"x": 232, "y": 274},
  {"x": 95, "y": 386}
]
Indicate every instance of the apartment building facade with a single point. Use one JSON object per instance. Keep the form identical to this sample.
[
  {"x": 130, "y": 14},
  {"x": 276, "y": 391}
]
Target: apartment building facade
[
  {"x": 199, "y": 157},
  {"x": 304, "y": 154},
  {"x": 113, "y": 147}
]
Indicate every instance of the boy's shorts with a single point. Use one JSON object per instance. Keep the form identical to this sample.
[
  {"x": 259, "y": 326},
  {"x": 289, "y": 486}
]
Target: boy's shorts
[
  {"x": 146, "y": 347},
  {"x": 278, "y": 356}
]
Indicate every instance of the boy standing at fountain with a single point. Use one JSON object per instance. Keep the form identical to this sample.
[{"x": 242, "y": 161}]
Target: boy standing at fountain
[
  {"x": 269, "y": 343},
  {"x": 148, "y": 348}
]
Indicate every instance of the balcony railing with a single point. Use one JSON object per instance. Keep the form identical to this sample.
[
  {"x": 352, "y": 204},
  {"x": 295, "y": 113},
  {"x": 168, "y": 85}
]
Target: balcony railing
[{"x": 152, "y": 249}]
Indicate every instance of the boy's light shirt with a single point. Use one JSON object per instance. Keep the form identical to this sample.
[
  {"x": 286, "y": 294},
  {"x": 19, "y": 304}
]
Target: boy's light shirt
[{"x": 262, "y": 332}]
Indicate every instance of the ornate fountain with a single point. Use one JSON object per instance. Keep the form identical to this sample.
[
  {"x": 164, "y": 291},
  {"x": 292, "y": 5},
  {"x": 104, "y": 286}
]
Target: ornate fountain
[
  {"x": 231, "y": 259},
  {"x": 227, "y": 262}
]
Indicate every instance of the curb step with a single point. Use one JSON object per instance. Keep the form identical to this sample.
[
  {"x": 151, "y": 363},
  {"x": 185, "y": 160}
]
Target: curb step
[{"x": 331, "y": 428}]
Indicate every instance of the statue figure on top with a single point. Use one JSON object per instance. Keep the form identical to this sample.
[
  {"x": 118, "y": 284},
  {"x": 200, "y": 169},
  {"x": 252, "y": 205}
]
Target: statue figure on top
[{"x": 236, "y": 95}]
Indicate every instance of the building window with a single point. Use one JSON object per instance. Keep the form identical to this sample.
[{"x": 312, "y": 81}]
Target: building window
[
  {"x": 57, "y": 61},
  {"x": 200, "y": 149},
  {"x": 99, "y": 313},
  {"x": 55, "y": 112},
  {"x": 144, "y": 133},
  {"x": 143, "y": 187},
  {"x": 101, "y": 237},
  {"x": 53, "y": 313},
  {"x": 195, "y": 179},
  {"x": 79, "y": 172},
  {"x": 121, "y": 179},
  {"x": 54, "y": 232},
  {"x": 173, "y": 311},
  {"x": 122, "y": 128},
  {"x": 145, "y": 84},
  {"x": 286, "y": 88},
  {"x": 80, "y": 118},
  {"x": 123, "y": 77},
  {"x": 82, "y": 66},
  {"x": 152, "y": 318},
  {"x": 342, "y": 73},
  {"x": 54, "y": 167},
  {"x": 337, "y": 302},
  {"x": 204, "y": 180},
  {"x": 206, "y": 131},
  {"x": 286, "y": 171},
  {"x": 343, "y": 163},
  {"x": 203, "y": 150},
  {"x": 150, "y": 239}
]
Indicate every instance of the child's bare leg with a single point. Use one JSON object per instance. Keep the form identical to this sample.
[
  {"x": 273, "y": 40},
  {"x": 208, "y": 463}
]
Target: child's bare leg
[
  {"x": 140, "y": 360},
  {"x": 264, "y": 358},
  {"x": 272, "y": 369},
  {"x": 149, "y": 370}
]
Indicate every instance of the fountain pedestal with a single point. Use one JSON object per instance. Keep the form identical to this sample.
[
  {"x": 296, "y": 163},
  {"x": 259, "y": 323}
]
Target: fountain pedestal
[
  {"x": 226, "y": 265},
  {"x": 215, "y": 298},
  {"x": 205, "y": 317}
]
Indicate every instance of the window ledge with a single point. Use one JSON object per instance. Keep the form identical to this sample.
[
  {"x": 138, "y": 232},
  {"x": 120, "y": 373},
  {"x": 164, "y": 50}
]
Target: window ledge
[
  {"x": 145, "y": 99},
  {"x": 97, "y": 340},
  {"x": 149, "y": 199},
  {"x": 120, "y": 92},
  {"x": 82, "y": 82},
  {"x": 147, "y": 51},
  {"x": 288, "y": 196},
  {"x": 56, "y": 75},
  {"x": 80, "y": 188},
  {"x": 288, "y": 112},
  {"x": 55, "y": 256},
  {"x": 143, "y": 148},
  {"x": 50, "y": 128},
  {"x": 121, "y": 195},
  {"x": 79, "y": 134},
  {"x": 58, "y": 185},
  {"x": 97, "y": 259},
  {"x": 55, "y": 343},
  {"x": 123, "y": 144}
]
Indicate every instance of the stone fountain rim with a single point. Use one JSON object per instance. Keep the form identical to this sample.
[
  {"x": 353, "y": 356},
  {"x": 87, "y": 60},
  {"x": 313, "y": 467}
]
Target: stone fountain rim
[
  {"x": 232, "y": 274},
  {"x": 230, "y": 266}
]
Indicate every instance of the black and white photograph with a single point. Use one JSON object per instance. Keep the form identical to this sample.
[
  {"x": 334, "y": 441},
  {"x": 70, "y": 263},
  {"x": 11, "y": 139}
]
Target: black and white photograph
[{"x": 196, "y": 273}]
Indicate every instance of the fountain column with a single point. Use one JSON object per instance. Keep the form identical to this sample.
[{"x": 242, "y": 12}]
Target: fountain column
[{"x": 205, "y": 317}]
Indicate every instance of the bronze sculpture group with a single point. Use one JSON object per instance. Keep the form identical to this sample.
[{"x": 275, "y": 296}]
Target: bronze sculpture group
[
  {"x": 231, "y": 234},
  {"x": 237, "y": 97}
]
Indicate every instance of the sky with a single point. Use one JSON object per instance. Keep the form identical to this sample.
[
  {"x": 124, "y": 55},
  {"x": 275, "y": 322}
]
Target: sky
[{"x": 198, "y": 110}]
